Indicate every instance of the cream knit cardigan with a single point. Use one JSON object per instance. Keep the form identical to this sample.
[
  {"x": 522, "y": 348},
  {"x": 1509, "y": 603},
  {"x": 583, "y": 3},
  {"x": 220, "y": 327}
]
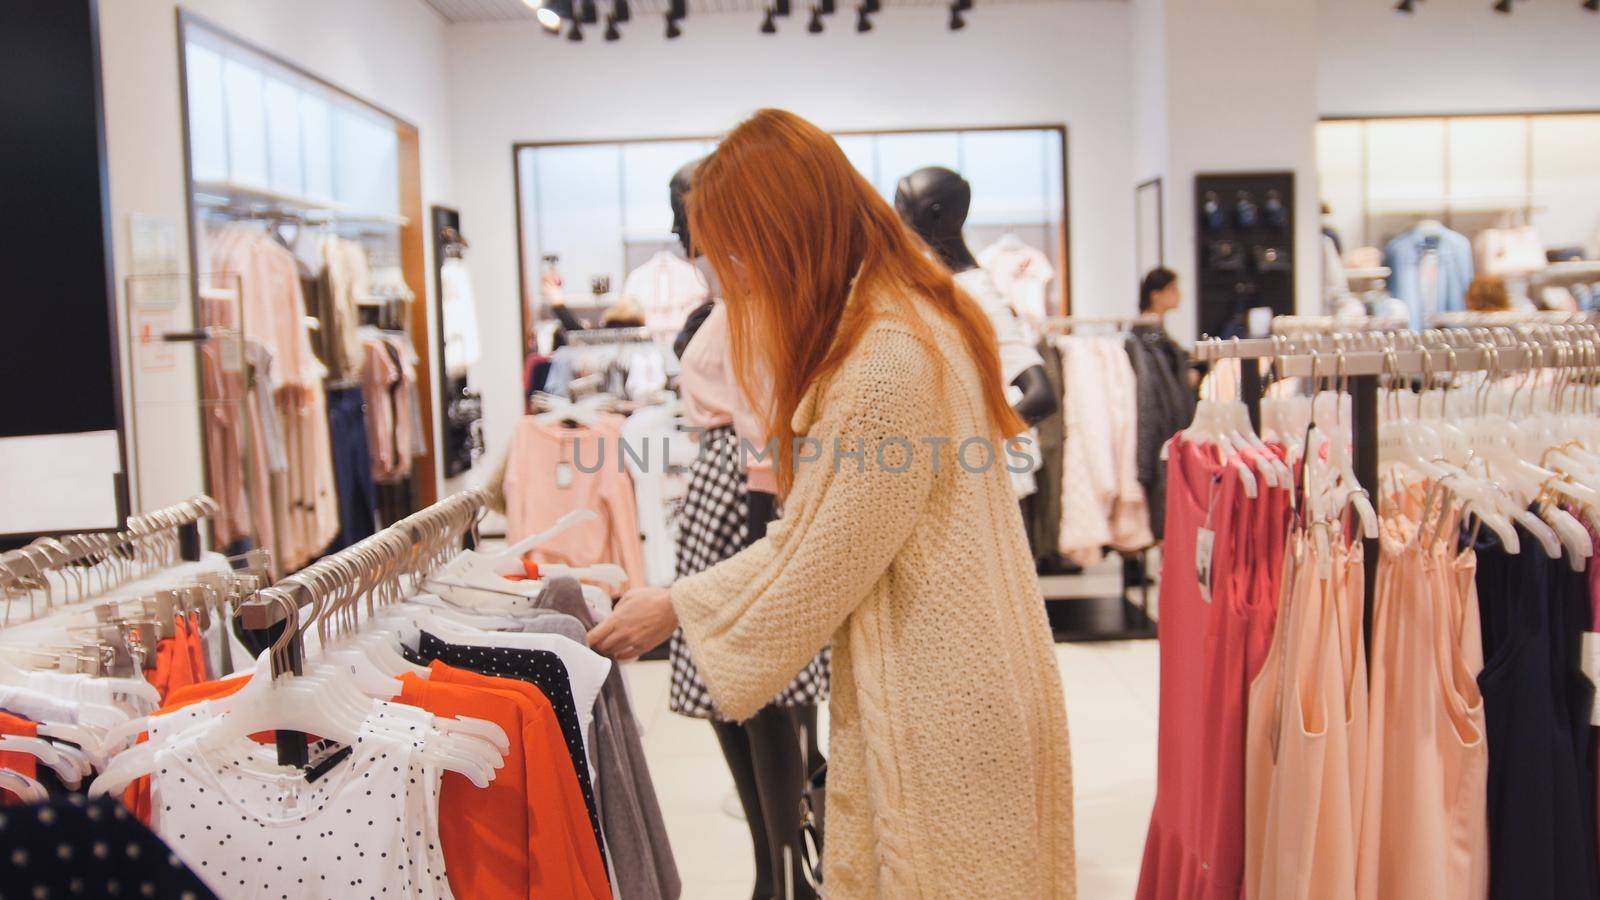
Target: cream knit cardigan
[{"x": 949, "y": 771}]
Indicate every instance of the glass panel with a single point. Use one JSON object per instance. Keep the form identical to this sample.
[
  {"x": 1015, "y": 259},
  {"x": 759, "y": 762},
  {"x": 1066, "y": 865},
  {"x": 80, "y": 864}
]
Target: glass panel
[
  {"x": 1339, "y": 170},
  {"x": 365, "y": 161},
  {"x": 1405, "y": 166},
  {"x": 1007, "y": 171},
  {"x": 208, "y": 117},
  {"x": 901, "y": 154},
  {"x": 244, "y": 88},
  {"x": 1488, "y": 163},
  {"x": 316, "y": 135},
  {"x": 862, "y": 151},
  {"x": 283, "y": 138},
  {"x": 1566, "y": 181},
  {"x": 580, "y": 215},
  {"x": 647, "y": 170}
]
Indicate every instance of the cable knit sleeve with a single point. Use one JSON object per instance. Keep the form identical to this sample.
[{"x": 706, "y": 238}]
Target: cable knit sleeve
[{"x": 756, "y": 619}]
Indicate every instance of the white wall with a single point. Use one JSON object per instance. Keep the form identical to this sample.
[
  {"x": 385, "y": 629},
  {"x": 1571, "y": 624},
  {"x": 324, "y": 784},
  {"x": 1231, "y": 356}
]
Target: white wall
[
  {"x": 1016, "y": 64},
  {"x": 391, "y": 52},
  {"x": 1457, "y": 56},
  {"x": 1235, "y": 90}
]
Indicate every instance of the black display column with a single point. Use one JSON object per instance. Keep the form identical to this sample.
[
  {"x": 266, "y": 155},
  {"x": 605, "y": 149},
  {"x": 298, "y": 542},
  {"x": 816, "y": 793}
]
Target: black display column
[{"x": 58, "y": 334}]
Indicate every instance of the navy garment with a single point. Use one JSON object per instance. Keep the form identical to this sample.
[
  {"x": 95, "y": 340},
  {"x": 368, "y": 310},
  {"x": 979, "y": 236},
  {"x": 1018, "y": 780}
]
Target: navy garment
[
  {"x": 352, "y": 466},
  {"x": 540, "y": 668},
  {"x": 74, "y": 847},
  {"x": 1533, "y": 611}
]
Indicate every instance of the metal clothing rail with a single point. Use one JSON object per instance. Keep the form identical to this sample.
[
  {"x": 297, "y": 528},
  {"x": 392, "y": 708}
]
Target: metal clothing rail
[
  {"x": 590, "y": 337},
  {"x": 1362, "y": 358},
  {"x": 333, "y": 585},
  {"x": 1062, "y": 324}
]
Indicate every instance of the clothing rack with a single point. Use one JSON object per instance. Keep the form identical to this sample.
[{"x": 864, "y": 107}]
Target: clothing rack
[
  {"x": 414, "y": 546},
  {"x": 589, "y": 337},
  {"x": 1066, "y": 324},
  {"x": 1099, "y": 617},
  {"x": 1508, "y": 319},
  {"x": 1288, "y": 325},
  {"x": 162, "y": 533},
  {"x": 1362, "y": 358}
]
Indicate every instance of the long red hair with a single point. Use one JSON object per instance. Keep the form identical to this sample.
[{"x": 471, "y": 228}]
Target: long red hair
[{"x": 787, "y": 222}]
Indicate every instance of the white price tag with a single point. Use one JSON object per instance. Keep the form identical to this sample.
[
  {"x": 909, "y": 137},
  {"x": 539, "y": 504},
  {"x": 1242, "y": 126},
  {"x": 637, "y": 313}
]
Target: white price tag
[
  {"x": 1589, "y": 662},
  {"x": 563, "y": 475},
  {"x": 1204, "y": 541}
]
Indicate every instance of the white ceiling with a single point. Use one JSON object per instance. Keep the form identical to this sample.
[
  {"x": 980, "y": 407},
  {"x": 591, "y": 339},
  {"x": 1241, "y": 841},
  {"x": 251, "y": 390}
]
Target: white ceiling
[{"x": 516, "y": 10}]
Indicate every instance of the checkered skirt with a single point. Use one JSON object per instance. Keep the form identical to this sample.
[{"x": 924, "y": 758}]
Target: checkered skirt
[{"x": 713, "y": 526}]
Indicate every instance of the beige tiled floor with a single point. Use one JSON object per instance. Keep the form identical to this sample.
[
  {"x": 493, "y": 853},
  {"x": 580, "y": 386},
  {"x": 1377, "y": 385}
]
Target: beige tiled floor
[{"x": 1111, "y": 709}]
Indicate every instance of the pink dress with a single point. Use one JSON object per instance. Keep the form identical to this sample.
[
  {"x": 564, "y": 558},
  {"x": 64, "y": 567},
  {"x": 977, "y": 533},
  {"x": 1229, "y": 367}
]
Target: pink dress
[{"x": 1194, "y": 849}]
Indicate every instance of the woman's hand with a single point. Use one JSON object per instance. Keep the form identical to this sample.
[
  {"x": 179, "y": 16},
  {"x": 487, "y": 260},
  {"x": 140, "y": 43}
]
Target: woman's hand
[{"x": 643, "y": 618}]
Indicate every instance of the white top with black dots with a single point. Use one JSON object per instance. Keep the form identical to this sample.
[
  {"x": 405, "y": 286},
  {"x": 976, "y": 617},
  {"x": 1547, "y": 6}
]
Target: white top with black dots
[{"x": 368, "y": 827}]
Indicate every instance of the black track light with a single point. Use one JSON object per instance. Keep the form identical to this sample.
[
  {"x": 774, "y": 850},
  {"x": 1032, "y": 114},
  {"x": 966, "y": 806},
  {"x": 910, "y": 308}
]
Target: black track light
[
  {"x": 782, "y": 8},
  {"x": 828, "y": 7},
  {"x": 956, "y": 22},
  {"x": 1406, "y": 6},
  {"x": 620, "y": 12},
  {"x": 575, "y": 33},
  {"x": 612, "y": 34},
  {"x": 871, "y": 6},
  {"x": 588, "y": 12},
  {"x": 1592, "y": 5},
  {"x": 863, "y": 23},
  {"x": 815, "y": 26},
  {"x": 678, "y": 9},
  {"x": 768, "y": 24},
  {"x": 673, "y": 31},
  {"x": 1503, "y": 7},
  {"x": 963, "y": 5}
]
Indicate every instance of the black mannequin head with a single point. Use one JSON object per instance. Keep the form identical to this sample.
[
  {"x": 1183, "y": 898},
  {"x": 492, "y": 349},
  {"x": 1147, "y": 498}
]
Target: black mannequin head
[
  {"x": 934, "y": 202},
  {"x": 679, "y": 188}
]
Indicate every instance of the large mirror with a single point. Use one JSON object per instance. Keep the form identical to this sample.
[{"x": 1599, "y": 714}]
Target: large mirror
[{"x": 591, "y": 214}]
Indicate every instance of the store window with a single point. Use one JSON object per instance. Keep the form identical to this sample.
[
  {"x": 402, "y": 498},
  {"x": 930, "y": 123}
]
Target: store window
[
  {"x": 591, "y": 213},
  {"x": 1380, "y": 176}
]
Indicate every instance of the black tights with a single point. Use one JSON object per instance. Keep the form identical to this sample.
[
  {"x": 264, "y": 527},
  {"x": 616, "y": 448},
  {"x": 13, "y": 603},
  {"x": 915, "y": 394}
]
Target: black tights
[{"x": 771, "y": 765}]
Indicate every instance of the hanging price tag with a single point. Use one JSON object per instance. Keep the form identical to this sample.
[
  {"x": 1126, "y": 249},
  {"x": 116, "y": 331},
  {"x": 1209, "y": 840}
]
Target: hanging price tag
[
  {"x": 1204, "y": 542},
  {"x": 563, "y": 475}
]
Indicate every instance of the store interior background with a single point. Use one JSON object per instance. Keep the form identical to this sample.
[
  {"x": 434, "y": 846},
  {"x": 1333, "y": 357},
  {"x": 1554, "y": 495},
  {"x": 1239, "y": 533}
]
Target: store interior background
[{"x": 1145, "y": 88}]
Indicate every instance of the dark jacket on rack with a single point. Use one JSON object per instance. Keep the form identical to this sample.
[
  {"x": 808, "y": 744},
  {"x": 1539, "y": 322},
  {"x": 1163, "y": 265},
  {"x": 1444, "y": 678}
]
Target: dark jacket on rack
[
  {"x": 1165, "y": 407},
  {"x": 1041, "y": 510}
]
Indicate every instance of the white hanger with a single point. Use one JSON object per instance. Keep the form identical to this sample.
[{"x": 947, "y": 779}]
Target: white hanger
[
  {"x": 65, "y": 767},
  {"x": 26, "y": 789}
]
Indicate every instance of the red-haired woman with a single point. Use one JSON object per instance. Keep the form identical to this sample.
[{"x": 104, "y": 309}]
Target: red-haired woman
[{"x": 900, "y": 539}]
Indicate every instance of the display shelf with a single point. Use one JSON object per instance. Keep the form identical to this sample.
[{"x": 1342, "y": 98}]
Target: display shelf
[{"x": 223, "y": 193}]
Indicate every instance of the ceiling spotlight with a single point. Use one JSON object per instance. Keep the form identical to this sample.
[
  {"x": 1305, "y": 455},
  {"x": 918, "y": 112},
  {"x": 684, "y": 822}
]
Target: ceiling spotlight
[
  {"x": 781, "y": 8},
  {"x": 548, "y": 19},
  {"x": 815, "y": 26},
  {"x": 828, "y": 7},
  {"x": 956, "y": 22},
  {"x": 575, "y": 33},
  {"x": 1406, "y": 6},
  {"x": 768, "y": 24},
  {"x": 620, "y": 12},
  {"x": 1503, "y": 6},
  {"x": 963, "y": 5},
  {"x": 612, "y": 34},
  {"x": 678, "y": 9},
  {"x": 588, "y": 12},
  {"x": 1592, "y": 5},
  {"x": 862, "y": 22},
  {"x": 673, "y": 31},
  {"x": 871, "y": 7}
]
